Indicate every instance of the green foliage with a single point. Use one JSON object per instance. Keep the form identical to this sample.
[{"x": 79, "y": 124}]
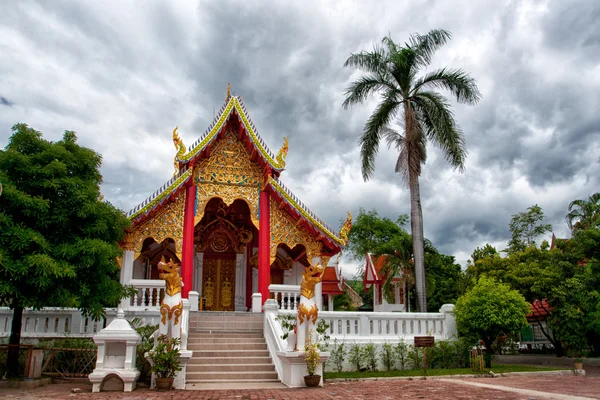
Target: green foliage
[
  {"x": 443, "y": 353},
  {"x": 443, "y": 277},
  {"x": 165, "y": 357},
  {"x": 312, "y": 356},
  {"x": 401, "y": 350},
  {"x": 415, "y": 357},
  {"x": 338, "y": 355},
  {"x": 146, "y": 332},
  {"x": 288, "y": 323},
  {"x": 355, "y": 358},
  {"x": 525, "y": 227},
  {"x": 489, "y": 309},
  {"x": 368, "y": 354},
  {"x": 387, "y": 356},
  {"x": 59, "y": 242},
  {"x": 585, "y": 213},
  {"x": 322, "y": 329},
  {"x": 371, "y": 233}
]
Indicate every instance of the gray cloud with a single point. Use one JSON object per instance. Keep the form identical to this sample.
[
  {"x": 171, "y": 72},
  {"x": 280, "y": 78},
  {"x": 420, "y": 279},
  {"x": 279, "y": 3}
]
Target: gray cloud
[{"x": 123, "y": 77}]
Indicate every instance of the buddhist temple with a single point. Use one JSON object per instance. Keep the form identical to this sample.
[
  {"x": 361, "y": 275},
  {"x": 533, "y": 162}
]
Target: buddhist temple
[{"x": 228, "y": 218}]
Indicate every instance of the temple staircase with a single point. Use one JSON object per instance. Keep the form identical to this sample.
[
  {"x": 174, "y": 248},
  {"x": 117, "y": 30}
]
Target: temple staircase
[{"x": 229, "y": 350}]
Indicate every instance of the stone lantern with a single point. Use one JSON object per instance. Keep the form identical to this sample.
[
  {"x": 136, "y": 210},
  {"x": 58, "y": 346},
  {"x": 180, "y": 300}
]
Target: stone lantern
[{"x": 116, "y": 354}]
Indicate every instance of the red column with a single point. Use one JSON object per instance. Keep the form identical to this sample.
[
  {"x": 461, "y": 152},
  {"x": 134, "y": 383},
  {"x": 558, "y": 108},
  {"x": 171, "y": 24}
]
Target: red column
[
  {"x": 187, "y": 262},
  {"x": 264, "y": 247}
]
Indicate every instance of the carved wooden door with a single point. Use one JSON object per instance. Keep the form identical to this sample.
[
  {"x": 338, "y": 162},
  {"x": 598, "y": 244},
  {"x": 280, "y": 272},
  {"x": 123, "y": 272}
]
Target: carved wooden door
[{"x": 218, "y": 282}]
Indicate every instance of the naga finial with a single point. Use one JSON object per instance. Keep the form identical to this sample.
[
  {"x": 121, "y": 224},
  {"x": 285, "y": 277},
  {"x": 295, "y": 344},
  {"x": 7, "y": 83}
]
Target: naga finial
[
  {"x": 282, "y": 152},
  {"x": 180, "y": 147},
  {"x": 228, "y": 91},
  {"x": 346, "y": 228}
]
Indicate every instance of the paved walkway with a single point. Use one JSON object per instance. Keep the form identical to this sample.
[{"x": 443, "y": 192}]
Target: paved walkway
[{"x": 521, "y": 388}]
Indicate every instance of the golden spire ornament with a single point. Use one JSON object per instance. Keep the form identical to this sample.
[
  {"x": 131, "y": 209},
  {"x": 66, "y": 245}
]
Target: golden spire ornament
[{"x": 228, "y": 92}]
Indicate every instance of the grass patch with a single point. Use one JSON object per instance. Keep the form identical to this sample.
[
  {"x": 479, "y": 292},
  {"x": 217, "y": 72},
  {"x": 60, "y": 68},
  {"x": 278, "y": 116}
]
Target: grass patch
[{"x": 436, "y": 372}]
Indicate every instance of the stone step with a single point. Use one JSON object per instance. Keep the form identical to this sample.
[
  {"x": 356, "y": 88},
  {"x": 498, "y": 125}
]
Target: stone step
[
  {"x": 227, "y": 346},
  {"x": 230, "y": 353},
  {"x": 229, "y": 360},
  {"x": 192, "y": 377},
  {"x": 244, "y": 384},
  {"x": 225, "y": 335},
  {"x": 210, "y": 339},
  {"x": 230, "y": 368}
]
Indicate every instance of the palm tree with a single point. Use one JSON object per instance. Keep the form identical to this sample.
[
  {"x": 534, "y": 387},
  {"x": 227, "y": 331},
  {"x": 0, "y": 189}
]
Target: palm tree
[
  {"x": 586, "y": 213},
  {"x": 423, "y": 114}
]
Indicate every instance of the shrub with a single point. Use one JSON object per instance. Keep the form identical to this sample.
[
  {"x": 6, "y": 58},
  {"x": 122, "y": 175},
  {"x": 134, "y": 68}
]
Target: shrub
[
  {"x": 355, "y": 356},
  {"x": 369, "y": 356},
  {"x": 401, "y": 351},
  {"x": 387, "y": 356},
  {"x": 338, "y": 355},
  {"x": 415, "y": 358}
]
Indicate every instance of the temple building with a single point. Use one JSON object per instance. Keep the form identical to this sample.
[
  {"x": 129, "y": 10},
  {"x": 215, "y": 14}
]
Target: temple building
[{"x": 227, "y": 217}]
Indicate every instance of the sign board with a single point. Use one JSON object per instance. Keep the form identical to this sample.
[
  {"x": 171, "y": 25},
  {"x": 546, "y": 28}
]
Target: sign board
[{"x": 424, "y": 341}]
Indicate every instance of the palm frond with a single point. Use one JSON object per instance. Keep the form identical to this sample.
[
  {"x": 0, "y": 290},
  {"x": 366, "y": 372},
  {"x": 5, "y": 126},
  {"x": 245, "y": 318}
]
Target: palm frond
[
  {"x": 369, "y": 140},
  {"x": 369, "y": 61},
  {"x": 438, "y": 122},
  {"x": 458, "y": 82},
  {"x": 426, "y": 45},
  {"x": 363, "y": 87}
]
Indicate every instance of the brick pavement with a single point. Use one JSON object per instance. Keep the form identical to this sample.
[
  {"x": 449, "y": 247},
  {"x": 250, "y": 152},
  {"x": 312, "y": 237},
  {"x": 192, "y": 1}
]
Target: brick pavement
[{"x": 371, "y": 389}]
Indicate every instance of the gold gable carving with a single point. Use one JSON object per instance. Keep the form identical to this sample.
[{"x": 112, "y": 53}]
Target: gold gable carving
[
  {"x": 229, "y": 174},
  {"x": 166, "y": 224},
  {"x": 284, "y": 230}
]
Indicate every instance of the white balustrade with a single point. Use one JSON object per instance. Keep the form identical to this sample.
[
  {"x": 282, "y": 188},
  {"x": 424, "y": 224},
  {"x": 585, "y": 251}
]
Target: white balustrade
[
  {"x": 149, "y": 293},
  {"x": 388, "y": 326},
  {"x": 287, "y": 296}
]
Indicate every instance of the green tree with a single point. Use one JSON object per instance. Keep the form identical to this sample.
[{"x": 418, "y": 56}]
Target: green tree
[
  {"x": 525, "y": 227},
  {"x": 424, "y": 115},
  {"x": 489, "y": 309},
  {"x": 487, "y": 251},
  {"x": 59, "y": 241},
  {"x": 585, "y": 213}
]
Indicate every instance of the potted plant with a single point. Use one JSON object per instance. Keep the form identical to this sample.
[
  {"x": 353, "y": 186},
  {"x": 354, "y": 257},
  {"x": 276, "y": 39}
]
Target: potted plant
[
  {"x": 312, "y": 357},
  {"x": 165, "y": 361}
]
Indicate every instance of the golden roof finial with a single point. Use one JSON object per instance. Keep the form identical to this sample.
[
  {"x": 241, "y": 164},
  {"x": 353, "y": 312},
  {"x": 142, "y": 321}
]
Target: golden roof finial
[{"x": 228, "y": 92}]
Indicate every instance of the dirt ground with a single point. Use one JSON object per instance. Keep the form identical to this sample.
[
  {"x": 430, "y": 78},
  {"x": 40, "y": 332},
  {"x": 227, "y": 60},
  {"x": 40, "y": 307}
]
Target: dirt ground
[{"x": 559, "y": 387}]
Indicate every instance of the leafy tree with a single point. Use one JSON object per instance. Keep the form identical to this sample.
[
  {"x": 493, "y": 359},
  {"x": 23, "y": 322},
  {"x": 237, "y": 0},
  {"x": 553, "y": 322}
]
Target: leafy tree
[
  {"x": 525, "y": 227},
  {"x": 371, "y": 233},
  {"x": 489, "y": 309},
  {"x": 585, "y": 213},
  {"x": 443, "y": 280},
  {"x": 59, "y": 241},
  {"x": 487, "y": 251},
  {"x": 391, "y": 71}
]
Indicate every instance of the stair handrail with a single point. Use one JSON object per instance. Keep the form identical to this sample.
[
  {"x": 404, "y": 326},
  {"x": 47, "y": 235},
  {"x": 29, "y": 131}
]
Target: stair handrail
[
  {"x": 273, "y": 333},
  {"x": 185, "y": 324}
]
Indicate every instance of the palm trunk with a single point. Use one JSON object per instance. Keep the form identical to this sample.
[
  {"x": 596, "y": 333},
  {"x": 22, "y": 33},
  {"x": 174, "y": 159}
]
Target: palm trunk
[
  {"x": 416, "y": 225},
  {"x": 12, "y": 360}
]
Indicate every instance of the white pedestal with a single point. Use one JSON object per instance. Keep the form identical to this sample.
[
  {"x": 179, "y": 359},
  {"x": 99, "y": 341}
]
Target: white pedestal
[
  {"x": 129, "y": 378},
  {"x": 294, "y": 367},
  {"x": 256, "y": 302}
]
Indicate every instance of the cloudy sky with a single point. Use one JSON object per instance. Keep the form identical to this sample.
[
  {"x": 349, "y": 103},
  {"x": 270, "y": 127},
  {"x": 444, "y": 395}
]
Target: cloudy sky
[{"x": 122, "y": 74}]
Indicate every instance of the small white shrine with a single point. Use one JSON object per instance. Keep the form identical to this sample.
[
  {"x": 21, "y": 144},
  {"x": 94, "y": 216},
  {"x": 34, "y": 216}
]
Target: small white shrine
[{"x": 116, "y": 354}]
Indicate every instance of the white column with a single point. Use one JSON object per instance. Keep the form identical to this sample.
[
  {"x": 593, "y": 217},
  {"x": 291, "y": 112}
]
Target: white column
[
  {"x": 254, "y": 280},
  {"x": 126, "y": 273},
  {"x": 198, "y": 272},
  {"x": 240, "y": 287},
  {"x": 329, "y": 302},
  {"x": 318, "y": 286}
]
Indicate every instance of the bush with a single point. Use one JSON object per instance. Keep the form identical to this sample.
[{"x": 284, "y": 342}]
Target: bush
[
  {"x": 415, "y": 357},
  {"x": 147, "y": 334},
  {"x": 401, "y": 351},
  {"x": 387, "y": 356},
  {"x": 355, "y": 356},
  {"x": 369, "y": 356},
  {"x": 338, "y": 355}
]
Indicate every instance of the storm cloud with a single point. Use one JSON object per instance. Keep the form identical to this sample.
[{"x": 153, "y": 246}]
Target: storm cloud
[{"x": 124, "y": 73}]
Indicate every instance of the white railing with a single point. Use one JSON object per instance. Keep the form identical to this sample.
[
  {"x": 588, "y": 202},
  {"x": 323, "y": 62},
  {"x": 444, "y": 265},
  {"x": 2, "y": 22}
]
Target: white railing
[
  {"x": 272, "y": 332},
  {"x": 388, "y": 326},
  {"x": 149, "y": 294},
  {"x": 287, "y": 296},
  {"x": 185, "y": 324},
  {"x": 61, "y": 322}
]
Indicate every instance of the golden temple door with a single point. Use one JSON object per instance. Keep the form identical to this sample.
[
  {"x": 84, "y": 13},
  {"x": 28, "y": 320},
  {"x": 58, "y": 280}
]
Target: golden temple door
[{"x": 218, "y": 282}]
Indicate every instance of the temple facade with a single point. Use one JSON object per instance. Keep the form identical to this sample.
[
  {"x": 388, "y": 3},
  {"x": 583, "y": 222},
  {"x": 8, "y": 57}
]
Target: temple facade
[{"x": 227, "y": 217}]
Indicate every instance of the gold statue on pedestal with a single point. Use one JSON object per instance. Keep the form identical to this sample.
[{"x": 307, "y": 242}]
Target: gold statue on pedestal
[
  {"x": 171, "y": 305},
  {"x": 308, "y": 311}
]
